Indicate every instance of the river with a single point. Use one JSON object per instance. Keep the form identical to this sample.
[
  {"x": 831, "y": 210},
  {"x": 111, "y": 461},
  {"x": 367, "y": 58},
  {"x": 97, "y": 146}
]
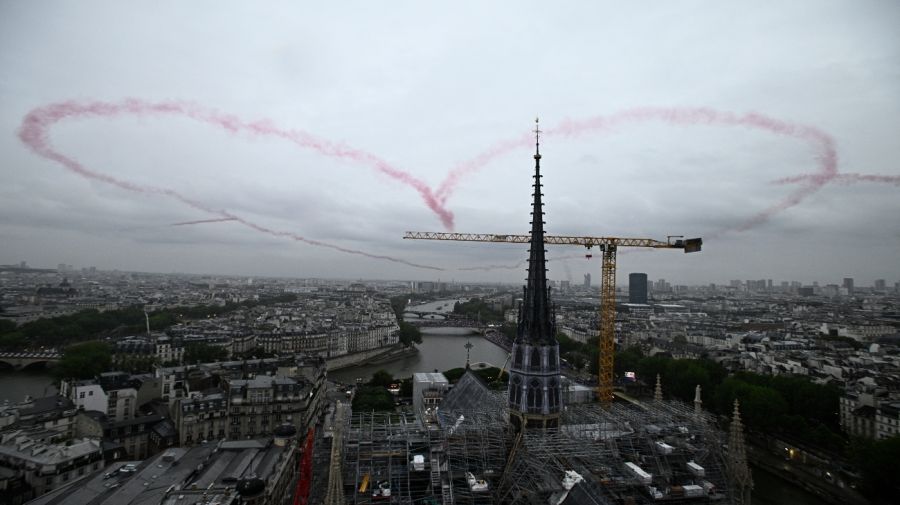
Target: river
[
  {"x": 15, "y": 385},
  {"x": 441, "y": 349},
  {"x": 770, "y": 490}
]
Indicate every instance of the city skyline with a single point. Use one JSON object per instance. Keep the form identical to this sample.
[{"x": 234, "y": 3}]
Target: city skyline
[
  {"x": 651, "y": 130},
  {"x": 622, "y": 279}
]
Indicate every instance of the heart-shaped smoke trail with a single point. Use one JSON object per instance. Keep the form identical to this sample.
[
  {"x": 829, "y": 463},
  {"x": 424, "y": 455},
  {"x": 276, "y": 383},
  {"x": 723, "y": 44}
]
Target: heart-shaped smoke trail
[{"x": 34, "y": 132}]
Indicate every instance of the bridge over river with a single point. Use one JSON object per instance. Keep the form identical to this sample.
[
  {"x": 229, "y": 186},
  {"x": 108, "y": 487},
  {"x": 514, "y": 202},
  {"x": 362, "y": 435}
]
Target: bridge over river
[
  {"x": 452, "y": 322},
  {"x": 24, "y": 359}
]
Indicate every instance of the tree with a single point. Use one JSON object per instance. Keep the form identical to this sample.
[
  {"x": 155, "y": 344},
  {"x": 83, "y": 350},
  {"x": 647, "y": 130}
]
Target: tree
[
  {"x": 92, "y": 324},
  {"x": 13, "y": 341},
  {"x": 477, "y": 308},
  {"x": 368, "y": 398},
  {"x": 488, "y": 375},
  {"x": 398, "y": 303},
  {"x": 381, "y": 378},
  {"x": 877, "y": 461},
  {"x": 84, "y": 361},
  {"x": 454, "y": 374},
  {"x": 576, "y": 359},
  {"x": 7, "y": 326},
  {"x": 566, "y": 344},
  {"x": 409, "y": 334},
  {"x": 627, "y": 360},
  {"x": 204, "y": 353}
]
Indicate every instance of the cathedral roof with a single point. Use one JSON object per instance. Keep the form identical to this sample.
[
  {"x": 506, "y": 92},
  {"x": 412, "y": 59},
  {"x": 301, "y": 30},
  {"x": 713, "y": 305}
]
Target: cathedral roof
[{"x": 470, "y": 395}]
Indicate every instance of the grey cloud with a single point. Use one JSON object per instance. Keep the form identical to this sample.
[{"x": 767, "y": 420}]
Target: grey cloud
[{"x": 426, "y": 87}]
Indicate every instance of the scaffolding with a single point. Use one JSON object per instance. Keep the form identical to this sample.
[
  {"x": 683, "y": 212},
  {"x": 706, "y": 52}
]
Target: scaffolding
[
  {"x": 624, "y": 454},
  {"x": 465, "y": 452},
  {"x": 335, "y": 493},
  {"x": 379, "y": 450},
  {"x": 476, "y": 454}
]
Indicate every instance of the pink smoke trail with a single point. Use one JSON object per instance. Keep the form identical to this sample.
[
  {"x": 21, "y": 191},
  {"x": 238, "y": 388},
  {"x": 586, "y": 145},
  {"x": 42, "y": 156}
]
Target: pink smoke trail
[
  {"x": 298, "y": 238},
  {"x": 34, "y": 133},
  {"x": 821, "y": 141},
  {"x": 844, "y": 178},
  {"x": 204, "y": 221},
  {"x": 38, "y": 121}
]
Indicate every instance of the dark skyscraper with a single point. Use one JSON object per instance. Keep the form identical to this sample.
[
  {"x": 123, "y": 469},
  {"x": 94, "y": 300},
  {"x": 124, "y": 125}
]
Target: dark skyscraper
[
  {"x": 637, "y": 288},
  {"x": 848, "y": 283},
  {"x": 535, "y": 390},
  {"x": 587, "y": 280}
]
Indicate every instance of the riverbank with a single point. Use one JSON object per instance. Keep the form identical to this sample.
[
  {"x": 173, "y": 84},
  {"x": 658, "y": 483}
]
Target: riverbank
[
  {"x": 798, "y": 480},
  {"x": 393, "y": 355},
  {"x": 371, "y": 357}
]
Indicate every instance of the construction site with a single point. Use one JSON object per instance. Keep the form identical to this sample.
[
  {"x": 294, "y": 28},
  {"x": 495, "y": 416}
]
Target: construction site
[
  {"x": 469, "y": 444},
  {"x": 655, "y": 452}
]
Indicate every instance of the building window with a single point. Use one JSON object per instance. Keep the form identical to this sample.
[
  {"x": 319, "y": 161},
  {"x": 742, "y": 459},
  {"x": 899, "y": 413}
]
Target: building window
[
  {"x": 554, "y": 394},
  {"x": 536, "y": 359},
  {"x": 515, "y": 390},
  {"x": 535, "y": 396}
]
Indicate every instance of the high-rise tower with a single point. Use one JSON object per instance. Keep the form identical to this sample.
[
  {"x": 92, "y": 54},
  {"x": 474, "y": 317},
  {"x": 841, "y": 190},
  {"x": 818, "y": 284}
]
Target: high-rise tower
[
  {"x": 637, "y": 288},
  {"x": 535, "y": 390}
]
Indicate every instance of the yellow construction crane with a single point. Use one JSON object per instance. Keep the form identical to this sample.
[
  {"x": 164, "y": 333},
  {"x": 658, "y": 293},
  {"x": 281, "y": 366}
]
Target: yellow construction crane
[{"x": 608, "y": 246}]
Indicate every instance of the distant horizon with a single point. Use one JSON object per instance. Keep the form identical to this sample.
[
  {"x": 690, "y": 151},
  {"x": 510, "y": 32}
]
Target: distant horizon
[{"x": 776, "y": 283}]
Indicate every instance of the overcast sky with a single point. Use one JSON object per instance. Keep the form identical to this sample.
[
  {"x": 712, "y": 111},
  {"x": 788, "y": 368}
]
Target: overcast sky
[{"x": 422, "y": 90}]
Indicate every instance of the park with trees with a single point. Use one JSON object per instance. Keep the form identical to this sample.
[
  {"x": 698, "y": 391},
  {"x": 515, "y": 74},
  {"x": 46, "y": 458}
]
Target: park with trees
[{"x": 92, "y": 324}]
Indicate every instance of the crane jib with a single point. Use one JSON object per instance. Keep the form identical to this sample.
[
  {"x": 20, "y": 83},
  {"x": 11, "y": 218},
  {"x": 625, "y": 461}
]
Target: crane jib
[{"x": 689, "y": 245}]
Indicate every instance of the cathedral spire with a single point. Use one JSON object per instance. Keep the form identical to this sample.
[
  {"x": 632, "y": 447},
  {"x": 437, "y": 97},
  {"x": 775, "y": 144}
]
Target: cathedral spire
[
  {"x": 536, "y": 322},
  {"x": 535, "y": 389}
]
